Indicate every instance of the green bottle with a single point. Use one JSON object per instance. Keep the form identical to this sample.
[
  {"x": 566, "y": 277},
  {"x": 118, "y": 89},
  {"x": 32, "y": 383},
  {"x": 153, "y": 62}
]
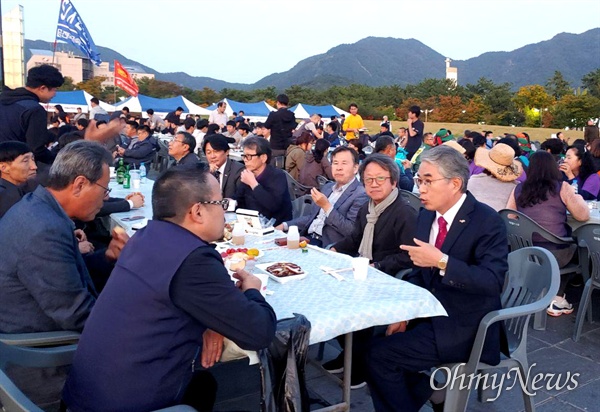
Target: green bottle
[
  {"x": 127, "y": 179},
  {"x": 120, "y": 172}
]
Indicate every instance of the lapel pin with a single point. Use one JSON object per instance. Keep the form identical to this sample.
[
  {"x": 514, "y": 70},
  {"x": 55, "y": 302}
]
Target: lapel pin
[{"x": 462, "y": 220}]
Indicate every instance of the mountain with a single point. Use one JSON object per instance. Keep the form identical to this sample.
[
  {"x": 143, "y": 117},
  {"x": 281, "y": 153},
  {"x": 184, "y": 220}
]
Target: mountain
[
  {"x": 109, "y": 55},
  {"x": 376, "y": 61}
]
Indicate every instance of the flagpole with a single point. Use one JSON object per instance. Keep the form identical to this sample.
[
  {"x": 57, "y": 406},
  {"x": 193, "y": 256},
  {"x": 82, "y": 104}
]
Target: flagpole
[{"x": 55, "y": 42}]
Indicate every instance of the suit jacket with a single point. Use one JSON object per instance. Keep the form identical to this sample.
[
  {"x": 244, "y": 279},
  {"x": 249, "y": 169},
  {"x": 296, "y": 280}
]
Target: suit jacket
[
  {"x": 9, "y": 195},
  {"x": 142, "y": 151},
  {"x": 342, "y": 218},
  {"x": 477, "y": 250},
  {"x": 271, "y": 197},
  {"x": 396, "y": 226},
  {"x": 44, "y": 283},
  {"x": 190, "y": 160},
  {"x": 231, "y": 178}
]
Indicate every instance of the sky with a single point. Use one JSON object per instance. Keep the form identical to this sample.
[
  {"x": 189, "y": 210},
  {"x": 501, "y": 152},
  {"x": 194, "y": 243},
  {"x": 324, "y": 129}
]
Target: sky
[{"x": 243, "y": 41}]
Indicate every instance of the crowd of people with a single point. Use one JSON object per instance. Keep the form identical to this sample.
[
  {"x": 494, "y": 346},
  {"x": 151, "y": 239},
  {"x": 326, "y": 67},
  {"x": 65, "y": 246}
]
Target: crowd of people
[{"x": 152, "y": 305}]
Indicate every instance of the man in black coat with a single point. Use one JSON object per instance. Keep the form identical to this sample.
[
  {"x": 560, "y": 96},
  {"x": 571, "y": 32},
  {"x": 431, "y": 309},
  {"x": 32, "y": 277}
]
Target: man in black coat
[
  {"x": 226, "y": 170},
  {"x": 17, "y": 166},
  {"x": 263, "y": 187},
  {"x": 463, "y": 264},
  {"x": 181, "y": 148},
  {"x": 281, "y": 123}
]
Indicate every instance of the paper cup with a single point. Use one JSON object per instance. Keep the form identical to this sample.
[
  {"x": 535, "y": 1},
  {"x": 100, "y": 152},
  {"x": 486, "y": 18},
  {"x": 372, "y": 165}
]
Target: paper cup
[
  {"x": 264, "y": 280},
  {"x": 361, "y": 267}
]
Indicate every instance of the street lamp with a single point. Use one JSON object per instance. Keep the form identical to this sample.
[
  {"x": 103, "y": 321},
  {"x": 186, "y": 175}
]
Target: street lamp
[{"x": 427, "y": 111}]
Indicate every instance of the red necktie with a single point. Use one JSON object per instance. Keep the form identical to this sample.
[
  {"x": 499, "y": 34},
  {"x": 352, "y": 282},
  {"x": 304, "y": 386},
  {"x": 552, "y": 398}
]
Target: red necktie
[{"x": 439, "y": 240}]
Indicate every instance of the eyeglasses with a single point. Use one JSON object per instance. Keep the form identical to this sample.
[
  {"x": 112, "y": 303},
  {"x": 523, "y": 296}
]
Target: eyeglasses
[
  {"x": 106, "y": 189},
  {"x": 378, "y": 179},
  {"x": 250, "y": 156},
  {"x": 223, "y": 203},
  {"x": 178, "y": 141},
  {"x": 426, "y": 182}
]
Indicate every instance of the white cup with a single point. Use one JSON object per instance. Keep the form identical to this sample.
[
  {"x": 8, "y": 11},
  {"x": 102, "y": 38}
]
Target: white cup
[
  {"x": 361, "y": 267},
  {"x": 264, "y": 280},
  {"x": 112, "y": 172}
]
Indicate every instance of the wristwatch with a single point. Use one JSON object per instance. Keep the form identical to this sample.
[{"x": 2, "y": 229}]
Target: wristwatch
[{"x": 443, "y": 262}]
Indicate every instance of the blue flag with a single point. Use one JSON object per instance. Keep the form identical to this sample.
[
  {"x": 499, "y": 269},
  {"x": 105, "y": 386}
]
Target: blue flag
[{"x": 71, "y": 29}]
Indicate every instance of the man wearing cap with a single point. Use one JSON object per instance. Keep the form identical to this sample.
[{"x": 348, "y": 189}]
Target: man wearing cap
[
  {"x": 463, "y": 265},
  {"x": 494, "y": 186},
  {"x": 226, "y": 171},
  {"x": 281, "y": 123},
  {"x": 219, "y": 116}
]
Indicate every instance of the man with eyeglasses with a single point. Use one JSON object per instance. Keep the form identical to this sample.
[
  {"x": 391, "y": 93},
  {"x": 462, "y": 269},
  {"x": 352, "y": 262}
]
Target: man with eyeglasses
[
  {"x": 460, "y": 256},
  {"x": 45, "y": 283},
  {"x": 181, "y": 149},
  {"x": 263, "y": 187},
  {"x": 384, "y": 223},
  {"x": 162, "y": 317}
]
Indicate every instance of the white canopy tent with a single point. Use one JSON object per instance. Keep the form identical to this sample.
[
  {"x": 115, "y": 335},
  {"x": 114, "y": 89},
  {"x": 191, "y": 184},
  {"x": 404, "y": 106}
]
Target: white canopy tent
[
  {"x": 304, "y": 111},
  {"x": 254, "y": 112}
]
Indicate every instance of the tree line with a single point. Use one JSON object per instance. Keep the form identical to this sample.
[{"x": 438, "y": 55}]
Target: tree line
[{"x": 555, "y": 104}]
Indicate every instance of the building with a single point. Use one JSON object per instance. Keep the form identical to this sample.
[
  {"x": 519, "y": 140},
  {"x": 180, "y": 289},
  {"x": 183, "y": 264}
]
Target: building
[
  {"x": 13, "y": 48},
  {"x": 76, "y": 67},
  {"x": 107, "y": 70},
  {"x": 451, "y": 72}
]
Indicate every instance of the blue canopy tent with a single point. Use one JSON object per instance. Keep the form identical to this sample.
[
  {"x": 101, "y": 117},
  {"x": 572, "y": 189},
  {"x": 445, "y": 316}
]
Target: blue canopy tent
[
  {"x": 142, "y": 103},
  {"x": 70, "y": 101},
  {"x": 304, "y": 111},
  {"x": 256, "y": 112}
]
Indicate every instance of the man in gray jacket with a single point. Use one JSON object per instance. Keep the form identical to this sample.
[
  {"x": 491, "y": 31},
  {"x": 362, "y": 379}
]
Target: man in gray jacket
[{"x": 335, "y": 209}]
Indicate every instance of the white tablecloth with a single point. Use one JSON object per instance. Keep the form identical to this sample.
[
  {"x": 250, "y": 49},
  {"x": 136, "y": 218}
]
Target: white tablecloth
[{"x": 146, "y": 210}]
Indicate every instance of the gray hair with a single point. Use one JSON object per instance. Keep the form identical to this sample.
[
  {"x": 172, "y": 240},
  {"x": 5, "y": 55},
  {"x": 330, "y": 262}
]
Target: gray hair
[
  {"x": 79, "y": 158},
  {"x": 384, "y": 162},
  {"x": 449, "y": 162}
]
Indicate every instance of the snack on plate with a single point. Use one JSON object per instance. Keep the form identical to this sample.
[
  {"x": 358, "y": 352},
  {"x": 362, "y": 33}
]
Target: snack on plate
[
  {"x": 228, "y": 231},
  {"x": 284, "y": 269}
]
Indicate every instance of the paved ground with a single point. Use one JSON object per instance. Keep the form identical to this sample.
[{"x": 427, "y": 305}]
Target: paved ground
[{"x": 551, "y": 350}]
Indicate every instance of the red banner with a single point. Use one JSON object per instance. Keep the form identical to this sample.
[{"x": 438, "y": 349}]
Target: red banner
[{"x": 124, "y": 80}]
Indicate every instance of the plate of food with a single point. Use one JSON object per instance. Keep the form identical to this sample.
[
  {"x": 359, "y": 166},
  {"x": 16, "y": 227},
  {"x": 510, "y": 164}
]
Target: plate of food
[
  {"x": 283, "y": 272},
  {"x": 236, "y": 258}
]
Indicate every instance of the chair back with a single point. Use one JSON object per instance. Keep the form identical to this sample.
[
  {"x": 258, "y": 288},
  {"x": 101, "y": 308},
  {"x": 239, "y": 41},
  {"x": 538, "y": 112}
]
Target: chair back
[
  {"x": 532, "y": 282},
  {"x": 301, "y": 206},
  {"x": 588, "y": 237},
  {"x": 11, "y": 397},
  {"x": 520, "y": 229},
  {"x": 322, "y": 181},
  {"x": 413, "y": 200},
  {"x": 296, "y": 189}
]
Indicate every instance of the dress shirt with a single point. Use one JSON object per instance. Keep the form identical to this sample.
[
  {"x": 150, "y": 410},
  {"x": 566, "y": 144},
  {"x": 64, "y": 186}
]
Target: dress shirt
[
  {"x": 449, "y": 218},
  {"x": 317, "y": 225}
]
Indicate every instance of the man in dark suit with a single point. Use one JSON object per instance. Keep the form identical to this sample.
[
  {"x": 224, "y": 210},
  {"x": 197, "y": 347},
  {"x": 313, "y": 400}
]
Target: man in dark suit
[
  {"x": 181, "y": 148},
  {"x": 17, "y": 166},
  {"x": 333, "y": 214},
  {"x": 226, "y": 170},
  {"x": 461, "y": 258},
  {"x": 263, "y": 187}
]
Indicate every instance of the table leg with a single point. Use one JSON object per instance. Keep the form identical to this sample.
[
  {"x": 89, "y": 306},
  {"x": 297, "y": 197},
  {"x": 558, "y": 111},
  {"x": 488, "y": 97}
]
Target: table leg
[{"x": 347, "y": 369}]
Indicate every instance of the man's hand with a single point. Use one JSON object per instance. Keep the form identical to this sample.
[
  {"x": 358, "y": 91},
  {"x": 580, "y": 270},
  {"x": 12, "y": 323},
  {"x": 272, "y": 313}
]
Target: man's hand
[
  {"x": 85, "y": 247},
  {"x": 120, "y": 151},
  {"x": 119, "y": 239},
  {"x": 136, "y": 198},
  {"x": 424, "y": 254},
  {"x": 407, "y": 164},
  {"x": 213, "y": 167},
  {"x": 212, "y": 348},
  {"x": 246, "y": 280},
  {"x": 320, "y": 199},
  {"x": 112, "y": 129},
  {"x": 248, "y": 178},
  {"x": 80, "y": 235},
  {"x": 396, "y": 327}
]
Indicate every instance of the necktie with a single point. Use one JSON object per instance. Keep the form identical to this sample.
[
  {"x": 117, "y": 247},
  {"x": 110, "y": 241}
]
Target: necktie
[
  {"x": 441, "y": 236},
  {"x": 217, "y": 175}
]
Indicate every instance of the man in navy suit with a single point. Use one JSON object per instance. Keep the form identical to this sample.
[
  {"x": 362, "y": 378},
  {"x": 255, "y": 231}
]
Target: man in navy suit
[
  {"x": 335, "y": 209},
  {"x": 461, "y": 258}
]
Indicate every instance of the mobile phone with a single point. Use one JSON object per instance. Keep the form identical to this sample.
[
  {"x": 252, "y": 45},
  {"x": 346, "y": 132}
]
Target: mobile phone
[{"x": 132, "y": 218}]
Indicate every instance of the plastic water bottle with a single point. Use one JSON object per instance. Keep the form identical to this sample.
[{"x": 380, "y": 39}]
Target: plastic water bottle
[
  {"x": 575, "y": 186},
  {"x": 142, "y": 173}
]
